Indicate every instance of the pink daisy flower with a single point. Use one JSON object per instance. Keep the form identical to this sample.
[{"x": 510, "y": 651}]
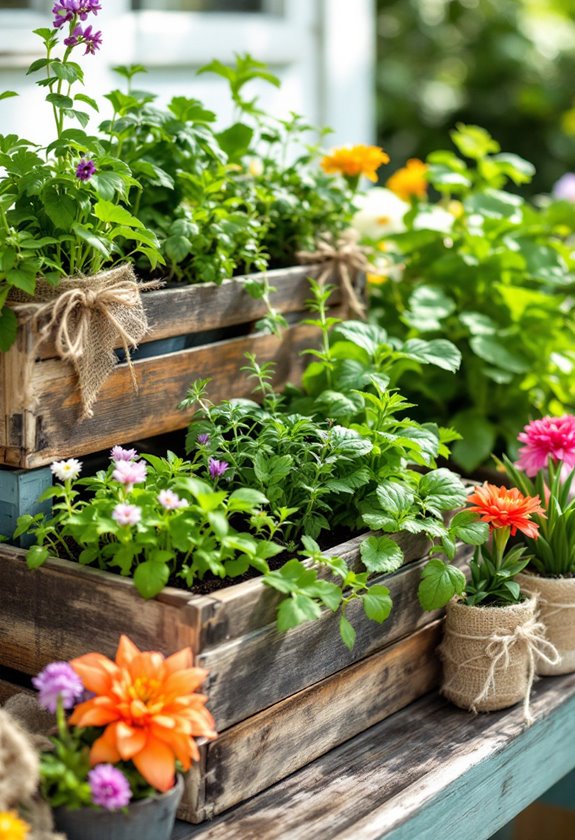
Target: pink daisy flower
[{"x": 550, "y": 437}]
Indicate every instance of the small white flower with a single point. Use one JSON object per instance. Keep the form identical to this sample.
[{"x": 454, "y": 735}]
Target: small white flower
[
  {"x": 255, "y": 167},
  {"x": 380, "y": 213},
  {"x": 66, "y": 470},
  {"x": 170, "y": 500},
  {"x": 435, "y": 218}
]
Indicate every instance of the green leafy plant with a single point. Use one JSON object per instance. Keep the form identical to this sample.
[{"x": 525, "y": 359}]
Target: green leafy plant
[
  {"x": 492, "y": 273},
  {"x": 150, "y": 521}
]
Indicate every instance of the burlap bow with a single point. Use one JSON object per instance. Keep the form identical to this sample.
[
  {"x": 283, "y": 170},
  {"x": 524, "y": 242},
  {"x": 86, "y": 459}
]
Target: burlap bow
[
  {"x": 531, "y": 634},
  {"x": 86, "y": 318},
  {"x": 344, "y": 259}
]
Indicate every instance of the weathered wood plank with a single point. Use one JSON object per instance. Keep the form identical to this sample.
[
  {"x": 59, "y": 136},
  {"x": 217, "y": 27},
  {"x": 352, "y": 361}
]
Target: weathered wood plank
[
  {"x": 289, "y": 735},
  {"x": 264, "y": 667},
  {"x": 124, "y": 414},
  {"x": 417, "y": 775}
]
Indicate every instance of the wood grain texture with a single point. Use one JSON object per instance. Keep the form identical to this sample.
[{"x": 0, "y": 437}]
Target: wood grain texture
[
  {"x": 289, "y": 735},
  {"x": 264, "y": 666},
  {"x": 35, "y": 434},
  {"x": 429, "y": 771}
]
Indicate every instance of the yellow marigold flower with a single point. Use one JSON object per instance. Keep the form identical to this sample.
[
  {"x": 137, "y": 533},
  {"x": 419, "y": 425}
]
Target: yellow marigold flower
[
  {"x": 12, "y": 827},
  {"x": 353, "y": 161},
  {"x": 456, "y": 208},
  {"x": 376, "y": 279},
  {"x": 410, "y": 181}
]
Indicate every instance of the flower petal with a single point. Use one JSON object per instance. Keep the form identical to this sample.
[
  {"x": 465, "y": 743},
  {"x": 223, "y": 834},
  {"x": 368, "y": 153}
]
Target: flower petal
[{"x": 156, "y": 764}]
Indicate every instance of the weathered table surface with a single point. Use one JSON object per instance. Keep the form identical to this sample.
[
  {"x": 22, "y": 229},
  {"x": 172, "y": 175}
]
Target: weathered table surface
[{"x": 428, "y": 771}]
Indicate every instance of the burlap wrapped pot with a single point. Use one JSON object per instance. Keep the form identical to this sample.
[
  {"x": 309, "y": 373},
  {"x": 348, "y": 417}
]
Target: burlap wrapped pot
[
  {"x": 489, "y": 655},
  {"x": 556, "y": 611}
]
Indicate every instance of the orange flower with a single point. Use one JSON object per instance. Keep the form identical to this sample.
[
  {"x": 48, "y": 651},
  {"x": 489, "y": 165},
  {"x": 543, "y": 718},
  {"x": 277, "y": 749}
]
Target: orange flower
[
  {"x": 507, "y": 508},
  {"x": 410, "y": 180},
  {"x": 354, "y": 161},
  {"x": 12, "y": 827},
  {"x": 148, "y": 706}
]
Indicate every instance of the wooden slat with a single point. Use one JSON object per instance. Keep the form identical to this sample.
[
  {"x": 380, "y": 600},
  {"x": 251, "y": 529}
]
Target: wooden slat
[
  {"x": 264, "y": 667},
  {"x": 292, "y": 733},
  {"x": 428, "y": 771},
  {"x": 123, "y": 414}
]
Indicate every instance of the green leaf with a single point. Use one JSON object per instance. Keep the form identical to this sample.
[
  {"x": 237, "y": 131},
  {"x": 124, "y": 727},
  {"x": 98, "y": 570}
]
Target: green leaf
[
  {"x": 60, "y": 208},
  {"x": 439, "y": 583},
  {"x": 106, "y": 211},
  {"x": 394, "y": 498},
  {"x": 177, "y": 248},
  {"x": 377, "y": 603},
  {"x": 442, "y": 490},
  {"x": 478, "y": 439},
  {"x": 8, "y": 94},
  {"x": 81, "y": 97},
  {"x": 98, "y": 243},
  {"x": 367, "y": 336},
  {"x": 246, "y": 499},
  {"x": 493, "y": 351},
  {"x": 439, "y": 352},
  {"x": 8, "y": 328},
  {"x": 150, "y": 578},
  {"x": 477, "y": 323},
  {"x": 473, "y": 141},
  {"x": 36, "y": 556},
  {"x": 60, "y": 101},
  {"x": 296, "y": 610},
  {"x": 235, "y": 141},
  {"x": 467, "y": 527},
  {"x": 346, "y": 632},
  {"x": 428, "y": 306},
  {"x": 381, "y": 554},
  {"x": 107, "y": 184}
]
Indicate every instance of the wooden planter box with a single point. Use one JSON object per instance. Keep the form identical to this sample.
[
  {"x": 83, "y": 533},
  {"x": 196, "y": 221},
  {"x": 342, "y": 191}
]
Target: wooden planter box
[
  {"x": 31, "y": 438},
  {"x": 279, "y": 700}
]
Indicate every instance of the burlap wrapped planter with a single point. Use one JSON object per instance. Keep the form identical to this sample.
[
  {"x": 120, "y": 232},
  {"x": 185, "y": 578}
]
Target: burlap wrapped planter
[
  {"x": 556, "y": 606},
  {"x": 489, "y": 655}
]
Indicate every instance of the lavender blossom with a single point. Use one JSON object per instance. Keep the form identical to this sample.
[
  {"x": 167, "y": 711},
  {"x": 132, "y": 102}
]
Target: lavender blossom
[
  {"x": 130, "y": 472},
  {"x": 92, "y": 40},
  {"x": 58, "y": 679},
  {"x": 125, "y": 514},
  {"x": 65, "y": 10},
  {"x": 170, "y": 500},
  {"x": 118, "y": 453},
  {"x": 109, "y": 787},
  {"x": 564, "y": 188},
  {"x": 217, "y": 468},
  {"x": 203, "y": 439}
]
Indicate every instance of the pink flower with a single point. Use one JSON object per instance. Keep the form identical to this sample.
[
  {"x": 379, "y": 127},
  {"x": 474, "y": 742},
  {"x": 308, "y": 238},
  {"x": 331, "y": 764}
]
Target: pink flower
[
  {"x": 130, "y": 472},
  {"x": 118, "y": 453},
  {"x": 170, "y": 500},
  {"x": 127, "y": 514},
  {"x": 109, "y": 787},
  {"x": 549, "y": 437}
]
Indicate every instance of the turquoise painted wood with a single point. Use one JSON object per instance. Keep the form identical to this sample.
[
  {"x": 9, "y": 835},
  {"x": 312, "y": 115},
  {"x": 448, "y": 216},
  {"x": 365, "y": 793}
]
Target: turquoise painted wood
[
  {"x": 19, "y": 492},
  {"x": 426, "y": 772}
]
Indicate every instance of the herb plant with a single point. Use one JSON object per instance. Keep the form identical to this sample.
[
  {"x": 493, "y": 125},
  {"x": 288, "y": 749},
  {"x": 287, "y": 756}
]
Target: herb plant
[{"x": 492, "y": 273}]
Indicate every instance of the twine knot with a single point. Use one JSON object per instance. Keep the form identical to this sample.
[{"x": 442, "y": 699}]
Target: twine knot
[
  {"x": 531, "y": 634},
  {"x": 86, "y": 318},
  {"x": 345, "y": 258}
]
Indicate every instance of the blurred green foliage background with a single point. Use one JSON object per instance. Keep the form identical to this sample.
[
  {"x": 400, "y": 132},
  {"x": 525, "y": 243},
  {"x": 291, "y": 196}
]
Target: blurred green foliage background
[{"x": 508, "y": 65}]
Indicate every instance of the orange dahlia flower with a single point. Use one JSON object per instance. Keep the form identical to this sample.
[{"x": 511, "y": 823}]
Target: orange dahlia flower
[
  {"x": 409, "y": 181},
  {"x": 502, "y": 507},
  {"x": 149, "y": 707},
  {"x": 354, "y": 161}
]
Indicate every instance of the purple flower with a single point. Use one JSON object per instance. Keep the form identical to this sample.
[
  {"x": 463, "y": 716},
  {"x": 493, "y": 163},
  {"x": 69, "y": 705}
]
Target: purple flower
[
  {"x": 118, "y": 453},
  {"x": 170, "y": 500},
  {"x": 216, "y": 467},
  {"x": 92, "y": 40},
  {"x": 203, "y": 439},
  {"x": 564, "y": 188},
  {"x": 130, "y": 472},
  {"x": 109, "y": 787},
  {"x": 58, "y": 679},
  {"x": 85, "y": 169},
  {"x": 65, "y": 10},
  {"x": 127, "y": 514}
]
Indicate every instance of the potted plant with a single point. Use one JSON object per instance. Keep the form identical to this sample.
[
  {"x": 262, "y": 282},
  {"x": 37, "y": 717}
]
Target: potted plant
[
  {"x": 492, "y": 638},
  {"x": 112, "y": 769},
  {"x": 546, "y": 467}
]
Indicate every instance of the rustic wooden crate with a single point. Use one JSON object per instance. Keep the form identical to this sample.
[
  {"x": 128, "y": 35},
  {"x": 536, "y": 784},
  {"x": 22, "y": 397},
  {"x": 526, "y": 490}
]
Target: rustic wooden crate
[
  {"x": 19, "y": 492},
  {"x": 257, "y": 676},
  {"x": 34, "y": 437}
]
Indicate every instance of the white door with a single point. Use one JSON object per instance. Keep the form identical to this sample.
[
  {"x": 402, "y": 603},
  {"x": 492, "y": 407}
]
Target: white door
[{"x": 322, "y": 50}]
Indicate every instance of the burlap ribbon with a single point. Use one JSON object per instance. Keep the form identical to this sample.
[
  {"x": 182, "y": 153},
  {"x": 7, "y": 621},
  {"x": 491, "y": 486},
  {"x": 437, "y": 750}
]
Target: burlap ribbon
[
  {"x": 347, "y": 261},
  {"x": 498, "y": 649},
  {"x": 86, "y": 318}
]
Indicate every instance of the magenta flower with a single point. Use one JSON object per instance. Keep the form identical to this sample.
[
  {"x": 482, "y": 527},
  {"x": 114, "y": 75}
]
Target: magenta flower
[
  {"x": 58, "y": 679},
  {"x": 203, "y": 439},
  {"x": 130, "y": 472},
  {"x": 91, "y": 40},
  {"x": 550, "y": 437},
  {"x": 217, "y": 468},
  {"x": 109, "y": 787},
  {"x": 118, "y": 453},
  {"x": 65, "y": 10},
  {"x": 170, "y": 500},
  {"x": 85, "y": 169},
  {"x": 127, "y": 514}
]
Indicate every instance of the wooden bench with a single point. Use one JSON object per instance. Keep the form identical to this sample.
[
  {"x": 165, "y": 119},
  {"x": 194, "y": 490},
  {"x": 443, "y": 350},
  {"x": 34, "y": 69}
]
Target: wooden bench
[{"x": 426, "y": 772}]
